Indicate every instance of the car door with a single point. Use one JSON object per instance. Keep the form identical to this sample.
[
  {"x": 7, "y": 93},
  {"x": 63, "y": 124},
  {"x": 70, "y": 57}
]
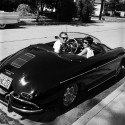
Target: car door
[{"x": 100, "y": 68}]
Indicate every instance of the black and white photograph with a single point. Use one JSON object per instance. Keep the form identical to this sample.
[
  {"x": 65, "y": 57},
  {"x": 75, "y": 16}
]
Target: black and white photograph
[{"x": 62, "y": 62}]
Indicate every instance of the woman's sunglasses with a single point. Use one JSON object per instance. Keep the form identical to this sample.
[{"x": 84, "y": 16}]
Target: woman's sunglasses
[
  {"x": 85, "y": 42},
  {"x": 64, "y": 37}
]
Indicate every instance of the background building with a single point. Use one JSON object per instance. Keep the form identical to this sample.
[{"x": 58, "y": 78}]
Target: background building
[{"x": 98, "y": 7}]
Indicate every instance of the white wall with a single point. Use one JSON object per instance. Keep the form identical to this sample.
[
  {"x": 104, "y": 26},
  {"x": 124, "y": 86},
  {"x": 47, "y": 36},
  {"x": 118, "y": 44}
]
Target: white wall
[{"x": 97, "y": 11}]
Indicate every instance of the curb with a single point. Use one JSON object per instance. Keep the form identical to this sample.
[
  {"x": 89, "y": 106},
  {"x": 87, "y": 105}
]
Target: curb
[{"x": 83, "y": 120}]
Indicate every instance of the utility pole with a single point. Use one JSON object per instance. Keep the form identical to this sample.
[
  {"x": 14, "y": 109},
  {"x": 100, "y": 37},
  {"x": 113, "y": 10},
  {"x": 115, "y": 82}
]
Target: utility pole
[
  {"x": 38, "y": 4},
  {"x": 101, "y": 9}
]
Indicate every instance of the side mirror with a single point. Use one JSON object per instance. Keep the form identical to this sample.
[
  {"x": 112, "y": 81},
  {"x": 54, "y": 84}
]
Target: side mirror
[{"x": 56, "y": 37}]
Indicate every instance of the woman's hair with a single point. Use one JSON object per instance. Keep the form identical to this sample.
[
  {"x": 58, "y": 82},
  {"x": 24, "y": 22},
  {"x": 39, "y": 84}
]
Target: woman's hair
[{"x": 89, "y": 39}]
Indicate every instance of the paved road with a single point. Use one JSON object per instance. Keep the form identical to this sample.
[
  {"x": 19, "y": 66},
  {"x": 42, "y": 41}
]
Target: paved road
[{"x": 14, "y": 39}]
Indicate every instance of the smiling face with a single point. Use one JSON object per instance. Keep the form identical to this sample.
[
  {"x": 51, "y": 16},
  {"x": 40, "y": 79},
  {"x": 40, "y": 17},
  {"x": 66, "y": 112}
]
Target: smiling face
[
  {"x": 85, "y": 43},
  {"x": 64, "y": 37}
]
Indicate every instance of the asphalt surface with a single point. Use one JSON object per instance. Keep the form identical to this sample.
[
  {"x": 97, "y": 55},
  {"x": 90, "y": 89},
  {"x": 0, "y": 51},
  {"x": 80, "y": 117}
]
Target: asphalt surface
[{"x": 13, "y": 39}]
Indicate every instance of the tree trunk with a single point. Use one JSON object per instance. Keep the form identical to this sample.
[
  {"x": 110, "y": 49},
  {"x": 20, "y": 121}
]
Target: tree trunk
[
  {"x": 101, "y": 9},
  {"x": 38, "y": 10},
  {"x": 37, "y": 17}
]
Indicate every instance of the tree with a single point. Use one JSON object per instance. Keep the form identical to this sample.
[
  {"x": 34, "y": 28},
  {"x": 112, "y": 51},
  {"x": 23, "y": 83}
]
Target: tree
[
  {"x": 85, "y": 10},
  {"x": 102, "y": 5},
  {"x": 40, "y": 4},
  {"x": 121, "y": 6},
  {"x": 65, "y": 10},
  {"x": 112, "y": 5},
  {"x": 8, "y": 5}
]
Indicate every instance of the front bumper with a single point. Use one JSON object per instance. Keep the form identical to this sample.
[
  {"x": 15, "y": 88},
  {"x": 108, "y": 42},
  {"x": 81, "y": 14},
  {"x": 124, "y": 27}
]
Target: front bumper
[{"x": 21, "y": 106}]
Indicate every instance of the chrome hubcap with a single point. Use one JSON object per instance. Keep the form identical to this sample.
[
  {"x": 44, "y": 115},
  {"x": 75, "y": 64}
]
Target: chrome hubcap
[{"x": 70, "y": 95}]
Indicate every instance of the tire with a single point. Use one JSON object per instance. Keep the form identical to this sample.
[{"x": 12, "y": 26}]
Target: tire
[
  {"x": 2, "y": 26},
  {"x": 68, "y": 97},
  {"x": 70, "y": 94}
]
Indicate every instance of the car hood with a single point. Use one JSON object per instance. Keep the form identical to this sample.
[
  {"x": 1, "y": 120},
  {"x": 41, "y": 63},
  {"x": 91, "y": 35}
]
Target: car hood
[{"x": 36, "y": 69}]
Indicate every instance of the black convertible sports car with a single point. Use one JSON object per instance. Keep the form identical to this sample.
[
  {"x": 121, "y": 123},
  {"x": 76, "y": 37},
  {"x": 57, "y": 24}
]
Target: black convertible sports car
[{"x": 34, "y": 77}]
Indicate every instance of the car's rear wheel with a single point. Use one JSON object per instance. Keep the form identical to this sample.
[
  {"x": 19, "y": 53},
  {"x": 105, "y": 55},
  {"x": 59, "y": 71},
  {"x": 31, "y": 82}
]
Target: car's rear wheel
[
  {"x": 68, "y": 97},
  {"x": 2, "y": 26},
  {"x": 70, "y": 94},
  {"x": 66, "y": 100}
]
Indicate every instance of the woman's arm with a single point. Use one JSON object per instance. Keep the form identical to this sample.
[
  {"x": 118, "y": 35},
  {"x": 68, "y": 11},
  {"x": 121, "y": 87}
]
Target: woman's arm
[{"x": 83, "y": 53}]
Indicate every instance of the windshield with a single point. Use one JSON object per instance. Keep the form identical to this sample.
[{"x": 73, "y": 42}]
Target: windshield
[{"x": 74, "y": 35}]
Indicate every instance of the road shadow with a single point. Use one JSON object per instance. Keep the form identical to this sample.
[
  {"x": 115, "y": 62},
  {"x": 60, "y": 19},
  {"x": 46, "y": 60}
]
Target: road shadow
[
  {"x": 51, "y": 22},
  {"x": 16, "y": 26}
]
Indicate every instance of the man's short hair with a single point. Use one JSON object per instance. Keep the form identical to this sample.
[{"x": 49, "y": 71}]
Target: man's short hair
[{"x": 63, "y": 33}]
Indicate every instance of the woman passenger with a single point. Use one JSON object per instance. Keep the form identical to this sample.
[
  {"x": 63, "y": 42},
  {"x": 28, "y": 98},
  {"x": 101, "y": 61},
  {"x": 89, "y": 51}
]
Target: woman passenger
[{"x": 87, "y": 51}]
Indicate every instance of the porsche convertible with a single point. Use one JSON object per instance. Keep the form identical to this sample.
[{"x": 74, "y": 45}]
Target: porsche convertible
[{"x": 34, "y": 77}]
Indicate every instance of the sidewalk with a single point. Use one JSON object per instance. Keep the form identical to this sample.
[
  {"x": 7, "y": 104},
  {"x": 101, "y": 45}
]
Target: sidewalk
[{"x": 110, "y": 111}]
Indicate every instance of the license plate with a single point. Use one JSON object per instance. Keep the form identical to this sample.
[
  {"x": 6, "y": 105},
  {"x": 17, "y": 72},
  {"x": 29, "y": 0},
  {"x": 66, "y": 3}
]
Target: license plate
[{"x": 5, "y": 81}]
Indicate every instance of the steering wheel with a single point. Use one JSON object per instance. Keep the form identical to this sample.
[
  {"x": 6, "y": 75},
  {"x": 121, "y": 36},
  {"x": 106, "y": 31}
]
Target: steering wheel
[{"x": 71, "y": 46}]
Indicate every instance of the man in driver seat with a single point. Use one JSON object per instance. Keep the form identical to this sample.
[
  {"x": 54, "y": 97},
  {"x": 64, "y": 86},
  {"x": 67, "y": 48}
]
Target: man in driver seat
[
  {"x": 58, "y": 45},
  {"x": 87, "y": 51}
]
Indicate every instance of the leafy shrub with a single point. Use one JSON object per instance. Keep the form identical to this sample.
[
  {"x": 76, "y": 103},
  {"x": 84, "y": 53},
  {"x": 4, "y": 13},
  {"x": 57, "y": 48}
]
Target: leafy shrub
[
  {"x": 24, "y": 10},
  {"x": 85, "y": 10},
  {"x": 117, "y": 14},
  {"x": 66, "y": 10},
  {"x": 107, "y": 14}
]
